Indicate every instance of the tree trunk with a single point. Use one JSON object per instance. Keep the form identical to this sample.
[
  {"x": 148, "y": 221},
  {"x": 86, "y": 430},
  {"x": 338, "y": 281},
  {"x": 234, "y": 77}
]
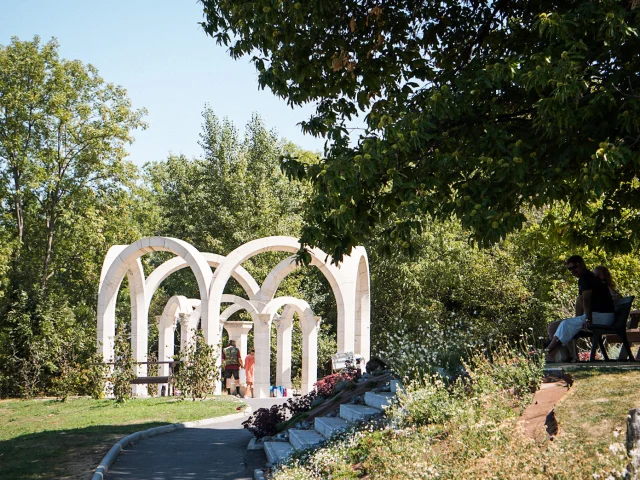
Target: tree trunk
[
  {"x": 17, "y": 204},
  {"x": 51, "y": 225}
]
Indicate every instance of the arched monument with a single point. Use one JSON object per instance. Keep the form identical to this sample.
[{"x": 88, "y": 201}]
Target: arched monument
[{"x": 349, "y": 283}]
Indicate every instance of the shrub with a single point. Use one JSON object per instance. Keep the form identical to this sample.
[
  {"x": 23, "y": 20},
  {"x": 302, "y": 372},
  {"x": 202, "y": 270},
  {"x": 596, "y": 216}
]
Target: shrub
[
  {"x": 152, "y": 371},
  {"x": 264, "y": 421},
  {"x": 332, "y": 384},
  {"x": 197, "y": 373},
  {"x": 440, "y": 428},
  {"x": 123, "y": 369}
]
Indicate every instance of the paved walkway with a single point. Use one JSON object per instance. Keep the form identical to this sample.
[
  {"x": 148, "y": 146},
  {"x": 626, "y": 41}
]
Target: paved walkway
[
  {"x": 536, "y": 416},
  {"x": 218, "y": 451}
]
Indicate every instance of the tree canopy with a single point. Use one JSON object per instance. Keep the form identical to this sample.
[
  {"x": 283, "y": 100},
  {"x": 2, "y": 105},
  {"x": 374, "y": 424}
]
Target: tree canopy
[
  {"x": 66, "y": 196},
  {"x": 474, "y": 109}
]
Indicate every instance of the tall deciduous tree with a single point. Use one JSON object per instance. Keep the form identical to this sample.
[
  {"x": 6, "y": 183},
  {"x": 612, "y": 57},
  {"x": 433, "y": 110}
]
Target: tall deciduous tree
[
  {"x": 62, "y": 136},
  {"x": 472, "y": 108},
  {"x": 67, "y": 195}
]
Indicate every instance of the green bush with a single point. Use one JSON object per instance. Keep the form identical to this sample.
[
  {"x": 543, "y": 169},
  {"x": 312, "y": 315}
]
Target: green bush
[
  {"x": 197, "y": 373},
  {"x": 123, "y": 368}
]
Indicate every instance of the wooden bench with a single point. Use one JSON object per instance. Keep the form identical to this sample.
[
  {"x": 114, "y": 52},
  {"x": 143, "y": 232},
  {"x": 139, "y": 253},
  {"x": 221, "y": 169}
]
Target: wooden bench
[
  {"x": 618, "y": 332},
  {"x": 149, "y": 380},
  {"x": 633, "y": 335}
]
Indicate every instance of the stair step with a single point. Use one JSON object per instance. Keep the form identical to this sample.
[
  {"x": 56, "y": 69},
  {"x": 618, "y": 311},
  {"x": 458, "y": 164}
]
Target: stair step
[
  {"x": 277, "y": 452},
  {"x": 303, "y": 439},
  {"x": 396, "y": 386},
  {"x": 329, "y": 426},
  {"x": 379, "y": 400},
  {"x": 355, "y": 413}
]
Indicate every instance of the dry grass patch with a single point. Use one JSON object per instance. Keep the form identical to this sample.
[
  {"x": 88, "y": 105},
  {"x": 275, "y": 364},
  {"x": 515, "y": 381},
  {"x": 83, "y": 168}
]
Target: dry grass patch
[{"x": 597, "y": 405}]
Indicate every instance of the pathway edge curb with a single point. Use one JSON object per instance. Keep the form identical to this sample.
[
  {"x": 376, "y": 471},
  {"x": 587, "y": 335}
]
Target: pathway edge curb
[{"x": 111, "y": 456}]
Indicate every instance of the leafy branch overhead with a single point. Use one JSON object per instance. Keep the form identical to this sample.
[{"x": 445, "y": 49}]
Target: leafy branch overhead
[{"x": 472, "y": 109}]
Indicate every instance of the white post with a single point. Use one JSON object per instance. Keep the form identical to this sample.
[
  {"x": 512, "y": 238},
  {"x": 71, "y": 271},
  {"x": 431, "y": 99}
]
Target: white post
[
  {"x": 239, "y": 332},
  {"x": 166, "y": 326},
  {"x": 186, "y": 335},
  {"x": 309, "y": 353},
  {"x": 284, "y": 329},
  {"x": 262, "y": 344}
]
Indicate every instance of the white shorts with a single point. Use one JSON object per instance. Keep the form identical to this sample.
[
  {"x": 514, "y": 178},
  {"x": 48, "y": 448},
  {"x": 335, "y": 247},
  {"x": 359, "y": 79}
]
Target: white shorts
[{"x": 570, "y": 327}]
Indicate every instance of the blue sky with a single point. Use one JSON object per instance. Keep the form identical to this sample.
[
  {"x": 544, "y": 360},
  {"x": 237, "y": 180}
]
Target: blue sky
[{"x": 159, "y": 53}]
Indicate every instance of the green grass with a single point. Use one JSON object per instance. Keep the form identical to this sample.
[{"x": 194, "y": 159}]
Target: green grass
[
  {"x": 597, "y": 406},
  {"x": 48, "y": 439},
  {"x": 484, "y": 440}
]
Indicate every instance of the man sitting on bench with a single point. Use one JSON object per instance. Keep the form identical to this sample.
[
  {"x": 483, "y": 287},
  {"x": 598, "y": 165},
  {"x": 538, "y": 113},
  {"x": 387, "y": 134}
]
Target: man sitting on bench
[{"x": 597, "y": 305}]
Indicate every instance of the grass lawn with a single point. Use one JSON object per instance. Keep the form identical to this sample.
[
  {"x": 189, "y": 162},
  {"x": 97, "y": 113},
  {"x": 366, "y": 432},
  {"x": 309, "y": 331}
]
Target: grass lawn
[
  {"x": 484, "y": 440},
  {"x": 48, "y": 439},
  {"x": 597, "y": 406}
]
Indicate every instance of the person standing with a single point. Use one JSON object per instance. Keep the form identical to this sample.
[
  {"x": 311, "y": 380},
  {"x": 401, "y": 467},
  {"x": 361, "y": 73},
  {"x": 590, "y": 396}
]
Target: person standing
[
  {"x": 232, "y": 364},
  {"x": 596, "y": 303},
  {"x": 249, "y": 363}
]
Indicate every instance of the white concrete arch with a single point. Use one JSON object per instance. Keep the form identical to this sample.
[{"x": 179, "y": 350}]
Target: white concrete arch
[
  {"x": 119, "y": 261},
  {"x": 285, "y": 244},
  {"x": 284, "y": 326},
  {"x": 294, "y": 305},
  {"x": 163, "y": 271},
  {"x": 176, "y": 307},
  {"x": 349, "y": 282},
  {"x": 139, "y": 321},
  {"x": 362, "y": 325},
  {"x": 242, "y": 303}
]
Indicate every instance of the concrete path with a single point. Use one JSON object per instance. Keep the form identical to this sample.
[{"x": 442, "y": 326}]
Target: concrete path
[
  {"x": 218, "y": 451},
  {"x": 538, "y": 417}
]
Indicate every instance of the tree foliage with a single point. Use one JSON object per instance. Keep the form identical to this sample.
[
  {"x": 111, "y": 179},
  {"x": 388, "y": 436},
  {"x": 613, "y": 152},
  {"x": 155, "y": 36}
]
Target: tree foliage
[
  {"x": 66, "y": 196},
  {"x": 123, "y": 368},
  {"x": 197, "y": 373},
  {"x": 472, "y": 108}
]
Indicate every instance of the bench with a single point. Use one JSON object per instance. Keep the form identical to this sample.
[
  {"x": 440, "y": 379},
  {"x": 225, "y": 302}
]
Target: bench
[
  {"x": 617, "y": 332},
  {"x": 149, "y": 380}
]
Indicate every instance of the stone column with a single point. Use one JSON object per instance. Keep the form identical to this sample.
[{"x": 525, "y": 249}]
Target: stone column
[
  {"x": 186, "y": 335},
  {"x": 262, "y": 344},
  {"x": 139, "y": 327},
  {"x": 166, "y": 326},
  {"x": 309, "y": 353},
  {"x": 239, "y": 332},
  {"x": 284, "y": 329}
]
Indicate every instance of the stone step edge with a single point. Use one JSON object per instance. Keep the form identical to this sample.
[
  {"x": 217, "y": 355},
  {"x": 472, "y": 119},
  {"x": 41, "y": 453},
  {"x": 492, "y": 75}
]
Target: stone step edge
[{"x": 278, "y": 459}]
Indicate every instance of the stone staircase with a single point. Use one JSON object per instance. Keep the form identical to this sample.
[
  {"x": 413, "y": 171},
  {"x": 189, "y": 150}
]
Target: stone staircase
[{"x": 325, "y": 427}]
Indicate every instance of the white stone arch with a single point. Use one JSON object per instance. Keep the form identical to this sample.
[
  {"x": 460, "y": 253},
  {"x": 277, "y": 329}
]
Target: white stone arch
[
  {"x": 121, "y": 260},
  {"x": 285, "y": 244},
  {"x": 176, "y": 307},
  {"x": 241, "y": 303},
  {"x": 163, "y": 271},
  {"x": 284, "y": 325},
  {"x": 139, "y": 321},
  {"x": 362, "y": 345}
]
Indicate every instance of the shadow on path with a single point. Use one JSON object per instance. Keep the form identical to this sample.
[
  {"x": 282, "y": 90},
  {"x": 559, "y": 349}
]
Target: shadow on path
[{"x": 211, "y": 452}]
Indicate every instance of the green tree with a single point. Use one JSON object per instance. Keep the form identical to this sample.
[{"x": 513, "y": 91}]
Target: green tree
[
  {"x": 62, "y": 136},
  {"x": 67, "y": 196},
  {"x": 123, "y": 367},
  {"x": 472, "y": 109},
  {"x": 236, "y": 193},
  {"x": 197, "y": 373}
]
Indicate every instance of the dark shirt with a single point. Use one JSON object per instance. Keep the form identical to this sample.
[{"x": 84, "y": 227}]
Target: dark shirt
[
  {"x": 600, "y": 296},
  {"x": 231, "y": 358}
]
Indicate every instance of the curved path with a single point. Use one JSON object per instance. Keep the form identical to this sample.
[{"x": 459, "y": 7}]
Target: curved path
[{"x": 217, "y": 451}]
